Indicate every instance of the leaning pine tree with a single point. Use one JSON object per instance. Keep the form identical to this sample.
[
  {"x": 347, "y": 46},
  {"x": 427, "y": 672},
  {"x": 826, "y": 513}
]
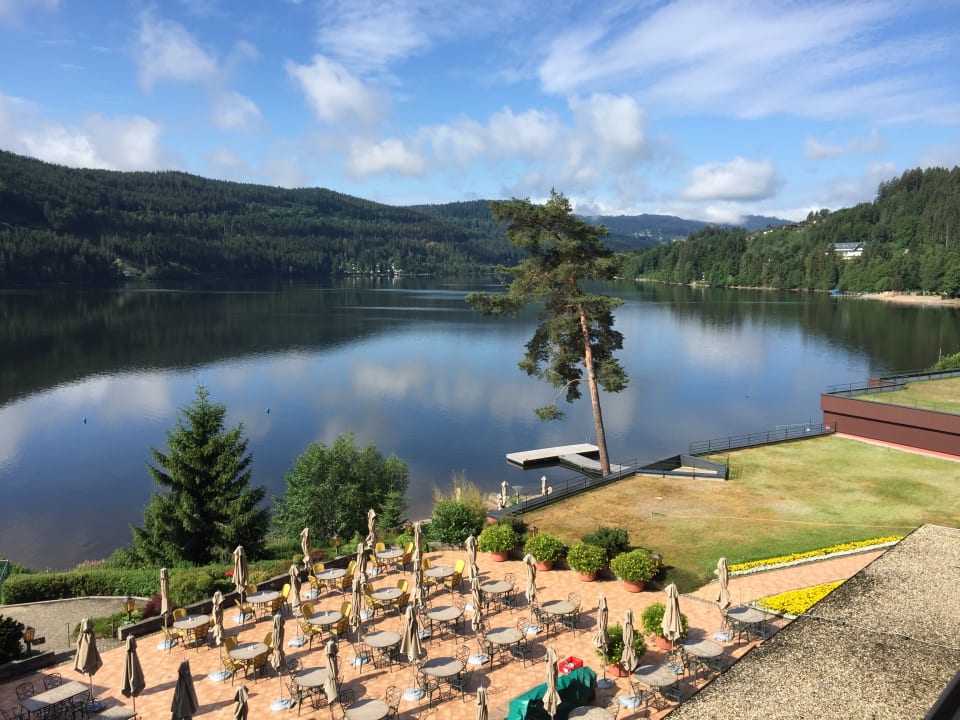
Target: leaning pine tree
[
  {"x": 575, "y": 336},
  {"x": 209, "y": 507}
]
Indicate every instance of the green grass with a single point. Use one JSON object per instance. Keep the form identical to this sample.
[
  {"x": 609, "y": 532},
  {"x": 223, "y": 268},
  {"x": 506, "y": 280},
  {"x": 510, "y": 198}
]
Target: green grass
[
  {"x": 786, "y": 498},
  {"x": 939, "y": 395}
]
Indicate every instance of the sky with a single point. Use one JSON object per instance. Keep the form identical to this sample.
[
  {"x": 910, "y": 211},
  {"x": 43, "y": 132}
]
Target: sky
[{"x": 707, "y": 110}]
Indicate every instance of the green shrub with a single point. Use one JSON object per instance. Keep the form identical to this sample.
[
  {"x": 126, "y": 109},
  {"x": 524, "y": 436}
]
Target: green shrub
[
  {"x": 500, "y": 537},
  {"x": 586, "y": 558},
  {"x": 188, "y": 586},
  {"x": 613, "y": 540},
  {"x": 545, "y": 547},
  {"x": 453, "y": 522},
  {"x": 634, "y": 566},
  {"x": 652, "y": 619},
  {"x": 11, "y": 633},
  {"x": 615, "y": 644}
]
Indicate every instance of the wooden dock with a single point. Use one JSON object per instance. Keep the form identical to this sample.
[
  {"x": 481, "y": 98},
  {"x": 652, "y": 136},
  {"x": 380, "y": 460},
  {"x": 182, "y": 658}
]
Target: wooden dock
[{"x": 584, "y": 458}]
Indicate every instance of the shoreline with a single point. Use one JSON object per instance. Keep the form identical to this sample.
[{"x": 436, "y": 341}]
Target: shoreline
[{"x": 898, "y": 298}]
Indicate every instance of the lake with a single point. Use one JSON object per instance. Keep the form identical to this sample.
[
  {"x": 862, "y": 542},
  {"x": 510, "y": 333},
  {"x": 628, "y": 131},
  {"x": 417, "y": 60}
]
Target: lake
[{"x": 91, "y": 378}]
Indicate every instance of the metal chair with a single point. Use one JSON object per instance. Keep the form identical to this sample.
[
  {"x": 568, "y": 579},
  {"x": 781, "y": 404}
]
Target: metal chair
[
  {"x": 246, "y": 610},
  {"x": 392, "y": 698},
  {"x": 452, "y": 583},
  {"x": 25, "y": 690},
  {"x": 52, "y": 680},
  {"x": 229, "y": 664}
]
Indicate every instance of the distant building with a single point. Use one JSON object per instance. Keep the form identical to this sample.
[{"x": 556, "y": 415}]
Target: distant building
[{"x": 848, "y": 250}]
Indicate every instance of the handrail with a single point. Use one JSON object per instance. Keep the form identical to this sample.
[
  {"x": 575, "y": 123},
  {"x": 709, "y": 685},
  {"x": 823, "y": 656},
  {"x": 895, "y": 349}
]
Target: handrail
[{"x": 783, "y": 433}]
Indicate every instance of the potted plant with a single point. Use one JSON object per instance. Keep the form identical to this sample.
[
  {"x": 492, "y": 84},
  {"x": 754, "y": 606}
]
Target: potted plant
[
  {"x": 546, "y": 550},
  {"x": 587, "y": 560},
  {"x": 634, "y": 568},
  {"x": 498, "y": 540},
  {"x": 652, "y": 619},
  {"x": 615, "y": 649}
]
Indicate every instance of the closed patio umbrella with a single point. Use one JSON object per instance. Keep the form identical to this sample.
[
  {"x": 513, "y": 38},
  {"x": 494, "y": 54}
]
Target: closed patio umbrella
[
  {"x": 331, "y": 686},
  {"x": 164, "y": 592},
  {"x": 216, "y": 614},
  {"x": 240, "y": 574},
  {"x": 628, "y": 659},
  {"x": 482, "y": 713},
  {"x": 411, "y": 646},
  {"x": 551, "y": 699},
  {"x": 531, "y": 591},
  {"x": 473, "y": 570},
  {"x": 132, "y": 682},
  {"x": 278, "y": 662},
  {"x": 240, "y": 708},
  {"x": 601, "y": 641},
  {"x": 305, "y": 546},
  {"x": 356, "y": 601},
  {"x": 476, "y": 622},
  {"x": 723, "y": 596},
  {"x": 671, "y": 625},
  {"x": 185, "y": 704},
  {"x": 417, "y": 598},
  {"x": 87, "y": 659},
  {"x": 294, "y": 596},
  {"x": 371, "y": 528}
]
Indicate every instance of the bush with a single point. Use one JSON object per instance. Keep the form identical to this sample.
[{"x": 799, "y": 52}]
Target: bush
[
  {"x": 613, "y": 540},
  {"x": 653, "y": 620},
  {"x": 615, "y": 644},
  {"x": 498, "y": 538},
  {"x": 101, "y": 580},
  {"x": 152, "y": 607},
  {"x": 586, "y": 558},
  {"x": 634, "y": 566},
  {"x": 454, "y": 521},
  {"x": 11, "y": 633},
  {"x": 191, "y": 585},
  {"x": 545, "y": 547}
]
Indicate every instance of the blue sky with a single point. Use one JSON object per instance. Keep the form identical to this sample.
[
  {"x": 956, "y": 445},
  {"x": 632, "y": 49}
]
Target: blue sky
[{"x": 706, "y": 110}]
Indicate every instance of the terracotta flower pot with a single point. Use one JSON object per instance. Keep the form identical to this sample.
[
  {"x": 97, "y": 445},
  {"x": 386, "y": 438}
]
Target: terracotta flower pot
[
  {"x": 500, "y": 556},
  {"x": 616, "y": 670},
  {"x": 633, "y": 587},
  {"x": 587, "y": 577},
  {"x": 662, "y": 642},
  {"x": 546, "y": 565}
]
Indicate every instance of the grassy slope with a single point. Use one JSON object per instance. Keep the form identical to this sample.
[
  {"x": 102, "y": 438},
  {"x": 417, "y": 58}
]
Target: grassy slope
[
  {"x": 782, "y": 498},
  {"x": 940, "y": 395}
]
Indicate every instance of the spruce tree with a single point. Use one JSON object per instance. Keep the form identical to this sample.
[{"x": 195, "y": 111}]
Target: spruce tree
[{"x": 207, "y": 506}]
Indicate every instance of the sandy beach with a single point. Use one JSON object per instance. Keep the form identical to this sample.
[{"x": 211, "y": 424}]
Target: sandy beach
[{"x": 910, "y": 299}]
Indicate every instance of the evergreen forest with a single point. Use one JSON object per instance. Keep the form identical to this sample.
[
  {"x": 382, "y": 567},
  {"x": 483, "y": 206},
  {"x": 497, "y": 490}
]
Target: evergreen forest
[{"x": 910, "y": 235}]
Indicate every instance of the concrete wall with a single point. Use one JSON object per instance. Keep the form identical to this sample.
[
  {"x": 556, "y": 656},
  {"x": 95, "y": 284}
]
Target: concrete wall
[{"x": 914, "y": 427}]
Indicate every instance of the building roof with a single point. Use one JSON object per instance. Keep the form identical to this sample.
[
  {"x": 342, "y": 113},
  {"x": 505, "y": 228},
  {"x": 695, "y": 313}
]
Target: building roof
[
  {"x": 848, "y": 245},
  {"x": 882, "y": 645}
]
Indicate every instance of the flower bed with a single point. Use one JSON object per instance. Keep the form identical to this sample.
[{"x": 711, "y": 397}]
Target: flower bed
[
  {"x": 796, "y": 602},
  {"x": 811, "y": 555}
]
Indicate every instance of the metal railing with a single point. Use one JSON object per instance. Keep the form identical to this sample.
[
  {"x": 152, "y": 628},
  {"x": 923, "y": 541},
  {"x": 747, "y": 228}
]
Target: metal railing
[{"x": 784, "y": 433}]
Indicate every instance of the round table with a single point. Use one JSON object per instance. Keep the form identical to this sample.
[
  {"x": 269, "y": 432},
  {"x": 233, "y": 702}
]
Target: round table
[
  {"x": 191, "y": 622},
  {"x": 590, "y": 713},
  {"x": 325, "y": 617},
  {"x": 372, "y": 709},
  {"x": 496, "y": 587},
  {"x": 558, "y": 607},
  {"x": 386, "y": 594},
  {"x": 439, "y": 572},
  {"x": 248, "y": 651},
  {"x": 746, "y": 615},
  {"x": 390, "y": 553},
  {"x": 382, "y": 639},
  {"x": 447, "y": 613},
  {"x": 331, "y": 574},
  {"x": 504, "y": 636},
  {"x": 311, "y": 679},
  {"x": 656, "y": 676},
  {"x": 442, "y": 667},
  {"x": 262, "y": 597},
  {"x": 703, "y": 648}
]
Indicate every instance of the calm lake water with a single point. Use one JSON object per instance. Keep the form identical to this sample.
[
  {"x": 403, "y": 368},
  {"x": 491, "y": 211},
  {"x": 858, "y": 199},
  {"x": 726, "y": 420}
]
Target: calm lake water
[{"x": 90, "y": 379}]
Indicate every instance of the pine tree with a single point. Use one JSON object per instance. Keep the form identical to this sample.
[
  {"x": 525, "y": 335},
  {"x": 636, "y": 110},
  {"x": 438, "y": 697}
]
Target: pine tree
[{"x": 209, "y": 507}]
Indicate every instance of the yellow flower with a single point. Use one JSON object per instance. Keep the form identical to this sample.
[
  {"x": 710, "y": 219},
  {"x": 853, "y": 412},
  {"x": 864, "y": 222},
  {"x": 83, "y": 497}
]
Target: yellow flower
[
  {"x": 797, "y": 602},
  {"x": 814, "y": 553}
]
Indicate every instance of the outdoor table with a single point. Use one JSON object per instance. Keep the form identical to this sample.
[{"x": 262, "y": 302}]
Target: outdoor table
[
  {"x": 372, "y": 709},
  {"x": 390, "y": 553},
  {"x": 325, "y": 618},
  {"x": 386, "y": 595},
  {"x": 41, "y": 703},
  {"x": 559, "y": 607},
  {"x": 656, "y": 677},
  {"x": 191, "y": 622},
  {"x": 330, "y": 575},
  {"x": 590, "y": 713},
  {"x": 438, "y": 572},
  {"x": 442, "y": 667},
  {"x": 262, "y": 597},
  {"x": 248, "y": 651},
  {"x": 311, "y": 679},
  {"x": 707, "y": 652},
  {"x": 444, "y": 616},
  {"x": 383, "y": 642},
  {"x": 748, "y": 620},
  {"x": 503, "y": 638},
  {"x": 497, "y": 589}
]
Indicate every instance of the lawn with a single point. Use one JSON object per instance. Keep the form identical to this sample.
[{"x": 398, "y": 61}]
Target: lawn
[
  {"x": 940, "y": 395},
  {"x": 783, "y": 498}
]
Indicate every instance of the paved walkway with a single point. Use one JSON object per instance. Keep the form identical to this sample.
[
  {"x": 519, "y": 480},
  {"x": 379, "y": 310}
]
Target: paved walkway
[{"x": 503, "y": 681}]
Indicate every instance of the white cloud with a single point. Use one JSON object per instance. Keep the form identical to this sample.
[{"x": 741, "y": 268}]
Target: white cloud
[
  {"x": 945, "y": 157},
  {"x": 114, "y": 143},
  {"x": 233, "y": 111},
  {"x": 165, "y": 50},
  {"x": 738, "y": 179},
  {"x": 13, "y": 11},
  {"x": 817, "y": 150},
  {"x": 848, "y": 191},
  {"x": 227, "y": 165},
  {"x": 334, "y": 94},
  {"x": 390, "y": 155}
]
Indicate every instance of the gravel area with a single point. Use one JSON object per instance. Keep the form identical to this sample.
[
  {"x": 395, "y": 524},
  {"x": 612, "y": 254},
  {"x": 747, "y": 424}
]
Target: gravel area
[{"x": 55, "y": 619}]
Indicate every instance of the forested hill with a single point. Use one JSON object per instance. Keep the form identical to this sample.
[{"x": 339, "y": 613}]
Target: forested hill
[
  {"x": 63, "y": 224},
  {"x": 910, "y": 237}
]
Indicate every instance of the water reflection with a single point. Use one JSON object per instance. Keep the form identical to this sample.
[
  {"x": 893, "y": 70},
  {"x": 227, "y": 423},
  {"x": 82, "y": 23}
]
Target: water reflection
[{"x": 406, "y": 366}]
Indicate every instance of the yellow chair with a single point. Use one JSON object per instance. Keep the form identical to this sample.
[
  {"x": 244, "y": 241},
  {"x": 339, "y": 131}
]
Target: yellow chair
[
  {"x": 404, "y": 598},
  {"x": 346, "y": 607},
  {"x": 179, "y": 613},
  {"x": 405, "y": 559},
  {"x": 453, "y": 582},
  {"x": 309, "y": 631},
  {"x": 198, "y": 634},
  {"x": 319, "y": 567},
  {"x": 229, "y": 664},
  {"x": 284, "y": 597},
  {"x": 246, "y": 610},
  {"x": 378, "y": 548}
]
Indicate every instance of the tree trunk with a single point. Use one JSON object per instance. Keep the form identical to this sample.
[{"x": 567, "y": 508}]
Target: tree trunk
[{"x": 594, "y": 394}]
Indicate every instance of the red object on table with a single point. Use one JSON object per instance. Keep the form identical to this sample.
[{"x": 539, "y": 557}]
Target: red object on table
[{"x": 568, "y": 664}]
